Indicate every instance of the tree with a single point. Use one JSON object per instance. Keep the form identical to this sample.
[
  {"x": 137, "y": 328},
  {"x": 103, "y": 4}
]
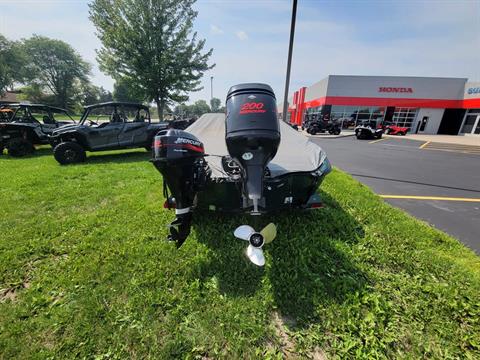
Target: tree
[
  {"x": 95, "y": 94},
  {"x": 215, "y": 104},
  {"x": 35, "y": 94},
  {"x": 12, "y": 63},
  {"x": 57, "y": 67},
  {"x": 151, "y": 42},
  {"x": 124, "y": 89},
  {"x": 200, "y": 107},
  {"x": 183, "y": 110}
]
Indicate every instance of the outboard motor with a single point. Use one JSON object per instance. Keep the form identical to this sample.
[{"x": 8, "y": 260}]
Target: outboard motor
[
  {"x": 252, "y": 134},
  {"x": 178, "y": 155}
]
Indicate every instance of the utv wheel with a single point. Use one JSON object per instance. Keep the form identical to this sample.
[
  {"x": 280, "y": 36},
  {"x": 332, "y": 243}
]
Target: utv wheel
[
  {"x": 69, "y": 153},
  {"x": 20, "y": 147},
  {"x": 403, "y": 133},
  {"x": 379, "y": 136},
  {"x": 313, "y": 132}
]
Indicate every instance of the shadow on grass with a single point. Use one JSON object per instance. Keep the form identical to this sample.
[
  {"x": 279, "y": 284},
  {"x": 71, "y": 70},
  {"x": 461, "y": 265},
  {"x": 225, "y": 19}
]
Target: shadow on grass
[
  {"x": 307, "y": 264},
  {"x": 42, "y": 151},
  {"x": 120, "y": 157}
]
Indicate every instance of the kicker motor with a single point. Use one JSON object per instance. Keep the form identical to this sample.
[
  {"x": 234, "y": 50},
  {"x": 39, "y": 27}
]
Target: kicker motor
[{"x": 178, "y": 155}]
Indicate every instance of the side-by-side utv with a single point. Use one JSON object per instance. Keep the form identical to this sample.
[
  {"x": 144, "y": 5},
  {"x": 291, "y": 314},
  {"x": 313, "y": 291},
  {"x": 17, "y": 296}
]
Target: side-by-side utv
[
  {"x": 27, "y": 125},
  {"x": 105, "y": 126},
  {"x": 246, "y": 161}
]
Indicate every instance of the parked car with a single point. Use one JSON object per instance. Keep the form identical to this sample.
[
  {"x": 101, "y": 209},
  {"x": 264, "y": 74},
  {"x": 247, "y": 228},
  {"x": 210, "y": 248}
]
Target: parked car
[
  {"x": 29, "y": 125},
  {"x": 105, "y": 126},
  {"x": 368, "y": 129}
]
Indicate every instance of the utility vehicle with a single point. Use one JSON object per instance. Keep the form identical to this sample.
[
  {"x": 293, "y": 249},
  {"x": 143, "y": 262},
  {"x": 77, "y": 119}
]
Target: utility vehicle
[
  {"x": 106, "y": 126},
  {"x": 29, "y": 125}
]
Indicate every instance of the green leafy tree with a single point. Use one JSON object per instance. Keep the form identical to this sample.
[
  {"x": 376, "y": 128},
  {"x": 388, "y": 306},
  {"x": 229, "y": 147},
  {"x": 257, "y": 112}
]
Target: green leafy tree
[
  {"x": 95, "y": 94},
  {"x": 183, "y": 110},
  {"x": 124, "y": 89},
  {"x": 151, "y": 42},
  {"x": 200, "y": 107},
  {"x": 215, "y": 104},
  {"x": 57, "y": 67},
  {"x": 12, "y": 64},
  {"x": 34, "y": 93}
]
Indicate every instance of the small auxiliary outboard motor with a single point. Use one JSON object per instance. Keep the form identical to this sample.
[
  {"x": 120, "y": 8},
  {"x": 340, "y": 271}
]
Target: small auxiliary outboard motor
[
  {"x": 252, "y": 134},
  {"x": 178, "y": 155}
]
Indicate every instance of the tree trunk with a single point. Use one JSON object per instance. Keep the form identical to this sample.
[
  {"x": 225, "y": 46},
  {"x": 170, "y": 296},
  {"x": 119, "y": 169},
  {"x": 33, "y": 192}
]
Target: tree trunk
[{"x": 159, "y": 108}]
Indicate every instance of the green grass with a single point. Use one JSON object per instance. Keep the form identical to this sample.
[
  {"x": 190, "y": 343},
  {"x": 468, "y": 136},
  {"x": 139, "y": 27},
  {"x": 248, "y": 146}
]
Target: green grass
[{"x": 85, "y": 273}]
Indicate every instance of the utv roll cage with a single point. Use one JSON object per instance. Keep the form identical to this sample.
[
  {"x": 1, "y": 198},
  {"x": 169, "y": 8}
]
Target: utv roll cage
[
  {"x": 116, "y": 105},
  {"x": 51, "y": 110}
]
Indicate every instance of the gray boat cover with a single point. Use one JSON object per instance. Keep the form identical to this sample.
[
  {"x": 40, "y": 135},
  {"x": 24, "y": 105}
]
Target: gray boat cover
[{"x": 296, "y": 152}]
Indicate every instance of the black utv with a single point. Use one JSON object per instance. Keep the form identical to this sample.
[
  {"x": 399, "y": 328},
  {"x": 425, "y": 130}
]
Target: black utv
[
  {"x": 106, "y": 126},
  {"x": 26, "y": 125},
  {"x": 313, "y": 125}
]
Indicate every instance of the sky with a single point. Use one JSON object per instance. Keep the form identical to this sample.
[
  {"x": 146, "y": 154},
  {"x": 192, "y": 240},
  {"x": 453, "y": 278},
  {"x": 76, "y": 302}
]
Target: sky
[{"x": 250, "y": 38}]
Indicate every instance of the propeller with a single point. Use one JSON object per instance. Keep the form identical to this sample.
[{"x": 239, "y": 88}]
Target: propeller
[{"x": 256, "y": 240}]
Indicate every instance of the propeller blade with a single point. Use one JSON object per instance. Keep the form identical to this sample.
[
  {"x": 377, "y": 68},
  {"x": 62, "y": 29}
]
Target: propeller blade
[
  {"x": 243, "y": 232},
  {"x": 255, "y": 255},
  {"x": 269, "y": 232}
]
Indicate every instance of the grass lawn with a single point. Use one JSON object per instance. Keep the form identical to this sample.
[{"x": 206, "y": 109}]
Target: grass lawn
[{"x": 84, "y": 272}]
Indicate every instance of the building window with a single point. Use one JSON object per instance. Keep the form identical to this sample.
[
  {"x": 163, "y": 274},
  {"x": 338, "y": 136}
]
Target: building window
[
  {"x": 471, "y": 123},
  {"x": 351, "y": 115},
  {"x": 404, "y": 117},
  {"x": 314, "y": 110}
]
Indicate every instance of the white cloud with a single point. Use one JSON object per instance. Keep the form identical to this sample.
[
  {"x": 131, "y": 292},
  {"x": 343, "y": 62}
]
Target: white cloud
[
  {"x": 214, "y": 29},
  {"x": 242, "y": 35}
]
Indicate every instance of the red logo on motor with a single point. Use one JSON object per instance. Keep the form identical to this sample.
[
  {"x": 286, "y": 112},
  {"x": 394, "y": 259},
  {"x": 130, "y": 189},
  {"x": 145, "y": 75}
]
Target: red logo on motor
[{"x": 252, "y": 107}]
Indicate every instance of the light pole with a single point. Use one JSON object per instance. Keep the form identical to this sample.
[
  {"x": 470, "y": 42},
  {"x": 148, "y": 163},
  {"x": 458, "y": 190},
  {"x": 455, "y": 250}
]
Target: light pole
[
  {"x": 289, "y": 61},
  {"x": 211, "y": 90}
]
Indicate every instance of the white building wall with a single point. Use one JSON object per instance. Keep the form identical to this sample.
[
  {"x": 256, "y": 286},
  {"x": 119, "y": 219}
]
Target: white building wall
[
  {"x": 317, "y": 90},
  {"x": 434, "y": 120},
  {"x": 421, "y": 87}
]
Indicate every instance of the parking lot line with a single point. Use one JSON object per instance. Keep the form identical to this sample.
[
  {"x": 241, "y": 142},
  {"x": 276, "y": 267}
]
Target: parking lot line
[
  {"x": 374, "y": 141},
  {"x": 440, "y": 198},
  {"x": 424, "y": 144}
]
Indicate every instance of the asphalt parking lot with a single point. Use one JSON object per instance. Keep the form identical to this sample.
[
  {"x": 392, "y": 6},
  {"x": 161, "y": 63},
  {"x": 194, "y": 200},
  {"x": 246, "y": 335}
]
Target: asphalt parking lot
[{"x": 440, "y": 185}]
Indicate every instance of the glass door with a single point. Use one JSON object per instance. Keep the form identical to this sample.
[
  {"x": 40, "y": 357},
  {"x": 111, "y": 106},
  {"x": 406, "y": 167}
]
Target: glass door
[
  {"x": 476, "y": 128},
  {"x": 471, "y": 125}
]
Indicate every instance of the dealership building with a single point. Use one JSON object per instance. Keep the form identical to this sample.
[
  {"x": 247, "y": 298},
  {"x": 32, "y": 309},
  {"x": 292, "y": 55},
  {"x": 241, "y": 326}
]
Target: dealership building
[{"x": 427, "y": 105}]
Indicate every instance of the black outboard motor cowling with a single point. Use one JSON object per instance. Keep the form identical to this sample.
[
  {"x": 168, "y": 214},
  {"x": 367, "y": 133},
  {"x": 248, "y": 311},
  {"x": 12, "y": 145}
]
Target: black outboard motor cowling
[
  {"x": 178, "y": 155},
  {"x": 252, "y": 133}
]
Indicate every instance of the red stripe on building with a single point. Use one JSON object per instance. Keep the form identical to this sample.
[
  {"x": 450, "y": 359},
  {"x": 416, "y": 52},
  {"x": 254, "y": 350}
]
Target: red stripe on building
[
  {"x": 471, "y": 103},
  {"x": 371, "y": 101}
]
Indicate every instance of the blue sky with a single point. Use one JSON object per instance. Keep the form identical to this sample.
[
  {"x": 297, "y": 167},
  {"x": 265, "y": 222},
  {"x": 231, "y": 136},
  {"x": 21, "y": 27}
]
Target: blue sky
[{"x": 250, "y": 38}]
